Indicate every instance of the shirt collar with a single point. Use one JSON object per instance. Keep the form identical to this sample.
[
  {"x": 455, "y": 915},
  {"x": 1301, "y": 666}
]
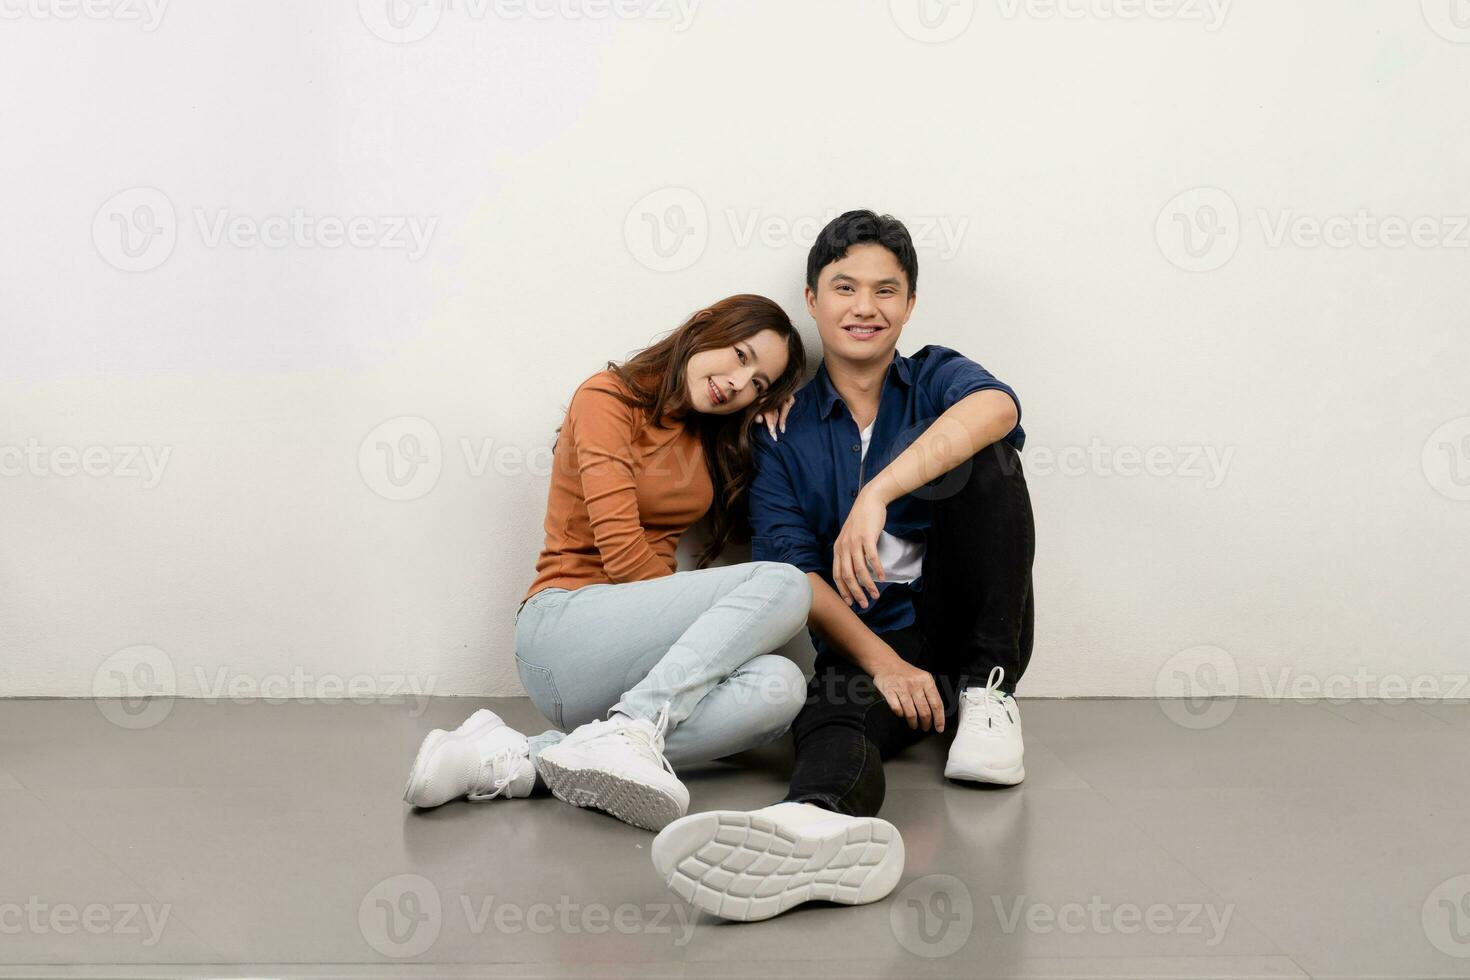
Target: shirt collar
[{"x": 827, "y": 396}]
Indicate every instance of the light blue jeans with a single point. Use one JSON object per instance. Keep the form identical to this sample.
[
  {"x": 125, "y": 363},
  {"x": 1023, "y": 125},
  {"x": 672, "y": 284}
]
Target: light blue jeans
[{"x": 699, "y": 642}]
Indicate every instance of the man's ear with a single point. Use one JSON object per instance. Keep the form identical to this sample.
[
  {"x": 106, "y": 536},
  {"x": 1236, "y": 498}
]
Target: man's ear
[{"x": 811, "y": 302}]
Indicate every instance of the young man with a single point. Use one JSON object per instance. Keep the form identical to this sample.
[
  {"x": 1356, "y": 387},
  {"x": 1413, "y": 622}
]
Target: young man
[{"x": 897, "y": 487}]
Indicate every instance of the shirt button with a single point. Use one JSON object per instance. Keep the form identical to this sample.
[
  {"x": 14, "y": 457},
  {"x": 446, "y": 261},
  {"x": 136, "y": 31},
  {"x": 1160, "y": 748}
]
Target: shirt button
[{"x": 857, "y": 447}]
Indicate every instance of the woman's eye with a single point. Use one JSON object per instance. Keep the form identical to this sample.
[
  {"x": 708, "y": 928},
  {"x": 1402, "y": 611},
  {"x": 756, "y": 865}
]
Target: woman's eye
[{"x": 741, "y": 354}]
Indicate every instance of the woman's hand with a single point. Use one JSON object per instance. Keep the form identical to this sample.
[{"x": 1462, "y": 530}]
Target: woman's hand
[
  {"x": 857, "y": 547},
  {"x": 776, "y": 418},
  {"x": 911, "y": 694}
]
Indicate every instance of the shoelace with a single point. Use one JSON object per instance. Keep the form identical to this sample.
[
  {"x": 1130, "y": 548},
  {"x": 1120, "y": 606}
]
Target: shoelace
[
  {"x": 499, "y": 771},
  {"x": 651, "y": 736},
  {"x": 989, "y": 705}
]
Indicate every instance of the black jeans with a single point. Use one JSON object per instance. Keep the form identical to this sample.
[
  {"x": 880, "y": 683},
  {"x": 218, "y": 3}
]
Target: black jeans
[{"x": 975, "y": 612}]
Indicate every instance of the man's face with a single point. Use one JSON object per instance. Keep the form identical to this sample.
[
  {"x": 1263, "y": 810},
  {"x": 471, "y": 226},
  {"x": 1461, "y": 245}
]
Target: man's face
[{"x": 861, "y": 304}]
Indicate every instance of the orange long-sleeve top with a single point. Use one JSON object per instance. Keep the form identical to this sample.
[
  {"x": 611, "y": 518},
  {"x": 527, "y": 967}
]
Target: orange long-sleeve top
[{"x": 622, "y": 492}]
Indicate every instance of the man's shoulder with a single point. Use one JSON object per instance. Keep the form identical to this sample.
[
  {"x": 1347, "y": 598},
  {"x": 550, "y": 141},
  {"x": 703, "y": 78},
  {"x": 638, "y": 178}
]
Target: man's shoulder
[
  {"x": 802, "y": 422},
  {"x": 934, "y": 353}
]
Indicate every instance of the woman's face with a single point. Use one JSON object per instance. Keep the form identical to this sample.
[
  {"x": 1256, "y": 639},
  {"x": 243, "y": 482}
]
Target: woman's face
[{"x": 724, "y": 380}]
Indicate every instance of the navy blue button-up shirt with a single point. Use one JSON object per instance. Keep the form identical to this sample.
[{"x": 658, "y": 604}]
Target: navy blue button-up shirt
[{"x": 805, "y": 484}]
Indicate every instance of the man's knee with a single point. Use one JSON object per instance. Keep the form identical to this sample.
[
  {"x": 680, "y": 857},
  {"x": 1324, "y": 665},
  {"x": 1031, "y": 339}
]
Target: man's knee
[{"x": 983, "y": 475}]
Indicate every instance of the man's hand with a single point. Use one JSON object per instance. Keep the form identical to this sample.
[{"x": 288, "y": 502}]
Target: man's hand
[
  {"x": 777, "y": 417},
  {"x": 910, "y": 692},
  {"x": 857, "y": 547}
]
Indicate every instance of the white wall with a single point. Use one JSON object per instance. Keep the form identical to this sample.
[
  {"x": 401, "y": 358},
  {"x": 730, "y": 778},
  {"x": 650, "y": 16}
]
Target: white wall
[{"x": 1039, "y": 156}]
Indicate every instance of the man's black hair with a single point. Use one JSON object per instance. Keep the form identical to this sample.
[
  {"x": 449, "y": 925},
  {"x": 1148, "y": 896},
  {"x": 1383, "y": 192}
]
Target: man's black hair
[{"x": 857, "y": 228}]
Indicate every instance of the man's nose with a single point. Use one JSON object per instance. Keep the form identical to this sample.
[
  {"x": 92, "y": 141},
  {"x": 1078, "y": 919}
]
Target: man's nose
[{"x": 863, "y": 304}]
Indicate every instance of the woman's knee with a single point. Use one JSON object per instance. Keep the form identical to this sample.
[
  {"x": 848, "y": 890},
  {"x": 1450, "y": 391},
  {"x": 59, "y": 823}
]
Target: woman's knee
[
  {"x": 780, "y": 689},
  {"x": 791, "y": 590}
]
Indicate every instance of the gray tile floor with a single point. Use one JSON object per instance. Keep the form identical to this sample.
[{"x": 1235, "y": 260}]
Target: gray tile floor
[{"x": 225, "y": 839}]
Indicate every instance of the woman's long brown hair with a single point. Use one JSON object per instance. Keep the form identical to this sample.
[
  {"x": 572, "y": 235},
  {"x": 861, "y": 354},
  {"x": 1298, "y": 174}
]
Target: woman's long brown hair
[{"x": 657, "y": 377}]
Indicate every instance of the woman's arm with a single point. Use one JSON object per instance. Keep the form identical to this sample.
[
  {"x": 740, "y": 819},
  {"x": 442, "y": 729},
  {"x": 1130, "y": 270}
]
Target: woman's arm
[{"x": 602, "y": 428}]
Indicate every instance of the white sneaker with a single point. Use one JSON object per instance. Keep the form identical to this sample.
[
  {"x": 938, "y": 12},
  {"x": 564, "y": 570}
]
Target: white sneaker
[
  {"x": 753, "y": 865},
  {"x": 481, "y": 759},
  {"x": 987, "y": 745},
  {"x": 617, "y": 766}
]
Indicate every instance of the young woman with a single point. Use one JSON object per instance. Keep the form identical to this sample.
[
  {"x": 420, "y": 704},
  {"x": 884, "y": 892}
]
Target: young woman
[{"x": 644, "y": 667}]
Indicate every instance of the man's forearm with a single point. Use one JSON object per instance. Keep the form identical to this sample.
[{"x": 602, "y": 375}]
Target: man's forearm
[
  {"x": 834, "y": 621},
  {"x": 971, "y": 424}
]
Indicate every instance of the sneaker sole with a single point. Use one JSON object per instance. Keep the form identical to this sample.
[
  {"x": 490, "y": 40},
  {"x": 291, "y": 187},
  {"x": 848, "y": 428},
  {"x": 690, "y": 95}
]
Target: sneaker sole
[
  {"x": 745, "y": 867},
  {"x": 997, "y": 777},
  {"x": 630, "y": 801}
]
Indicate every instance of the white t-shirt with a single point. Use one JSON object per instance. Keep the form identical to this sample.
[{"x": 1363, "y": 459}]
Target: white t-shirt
[{"x": 903, "y": 561}]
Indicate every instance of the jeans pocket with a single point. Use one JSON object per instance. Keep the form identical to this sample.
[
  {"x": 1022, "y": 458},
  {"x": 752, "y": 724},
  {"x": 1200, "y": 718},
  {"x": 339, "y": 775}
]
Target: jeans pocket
[{"x": 540, "y": 685}]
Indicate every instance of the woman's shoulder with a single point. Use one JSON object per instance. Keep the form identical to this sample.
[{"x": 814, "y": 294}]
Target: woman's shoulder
[
  {"x": 605, "y": 380},
  {"x": 604, "y": 399},
  {"x": 604, "y": 383}
]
